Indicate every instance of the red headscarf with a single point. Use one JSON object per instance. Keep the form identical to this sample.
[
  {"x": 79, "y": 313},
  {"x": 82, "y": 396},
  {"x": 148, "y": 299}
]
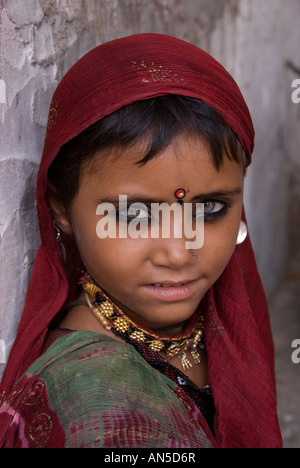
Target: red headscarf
[{"x": 238, "y": 336}]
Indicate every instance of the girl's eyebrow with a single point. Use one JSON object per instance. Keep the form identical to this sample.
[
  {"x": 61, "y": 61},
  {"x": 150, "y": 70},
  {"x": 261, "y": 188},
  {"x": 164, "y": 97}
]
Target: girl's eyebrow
[
  {"x": 201, "y": 196},
  {"x": 224, "y": 192},
  {"x": 134, "y": 199}
]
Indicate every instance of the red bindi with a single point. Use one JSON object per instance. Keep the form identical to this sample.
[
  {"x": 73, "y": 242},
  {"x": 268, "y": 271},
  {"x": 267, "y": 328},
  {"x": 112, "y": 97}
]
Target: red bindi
[{"x": 180, "y": 193}]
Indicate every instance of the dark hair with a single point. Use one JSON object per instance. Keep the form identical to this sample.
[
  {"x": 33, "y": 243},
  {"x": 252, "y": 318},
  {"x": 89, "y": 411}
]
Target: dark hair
[{"x": 156, "y": 121}]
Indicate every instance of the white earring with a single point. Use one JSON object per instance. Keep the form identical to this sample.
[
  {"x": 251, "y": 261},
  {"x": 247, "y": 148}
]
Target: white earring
[{"x": 243, "y": 232}]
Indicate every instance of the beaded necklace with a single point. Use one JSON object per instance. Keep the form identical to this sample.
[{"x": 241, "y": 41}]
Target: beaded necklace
[{"x": 113, "y": 318}]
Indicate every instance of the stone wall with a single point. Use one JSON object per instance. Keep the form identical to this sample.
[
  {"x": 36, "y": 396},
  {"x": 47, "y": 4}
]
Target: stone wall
[
  {"x": 41, "y": 39},
  {"x": 259, "y": 44}
]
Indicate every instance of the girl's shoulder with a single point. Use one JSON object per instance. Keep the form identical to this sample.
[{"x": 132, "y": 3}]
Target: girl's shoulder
[
  {"x": 89, "y": 390},
  {"x": 92, "y": 359},
  {"x": 67, "y": 348}
]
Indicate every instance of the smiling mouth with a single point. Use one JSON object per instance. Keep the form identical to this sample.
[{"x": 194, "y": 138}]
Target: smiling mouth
[
  {"x": 173, "y": 284},
  {"x": 173, "y": 291},
  {"x": 168, "y": 285}
]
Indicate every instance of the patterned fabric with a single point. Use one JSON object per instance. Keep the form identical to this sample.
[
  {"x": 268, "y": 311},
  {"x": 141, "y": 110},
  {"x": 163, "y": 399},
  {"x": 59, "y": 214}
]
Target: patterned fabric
[
  {"x": 202, "y": 397},
  {"x": 88, "y": 390}
]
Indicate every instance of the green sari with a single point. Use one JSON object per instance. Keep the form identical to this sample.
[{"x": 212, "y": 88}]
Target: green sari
[{"x": 89, "y": 390}]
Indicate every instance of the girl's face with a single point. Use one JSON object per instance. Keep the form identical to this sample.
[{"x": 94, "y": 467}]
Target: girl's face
[{"x": 158, "y": 282}]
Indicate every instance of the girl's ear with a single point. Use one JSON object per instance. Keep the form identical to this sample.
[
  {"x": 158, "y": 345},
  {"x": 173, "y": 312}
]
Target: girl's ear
[{"x": 58, "y": 210}]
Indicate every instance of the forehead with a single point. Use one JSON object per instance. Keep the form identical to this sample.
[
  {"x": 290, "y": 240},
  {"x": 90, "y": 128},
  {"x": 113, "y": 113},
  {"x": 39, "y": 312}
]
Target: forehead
[{"x": 186, "y": 161}]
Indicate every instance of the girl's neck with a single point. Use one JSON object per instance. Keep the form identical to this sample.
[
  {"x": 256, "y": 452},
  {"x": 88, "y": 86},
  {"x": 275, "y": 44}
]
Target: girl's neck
[{"x": 173, "y": 330}]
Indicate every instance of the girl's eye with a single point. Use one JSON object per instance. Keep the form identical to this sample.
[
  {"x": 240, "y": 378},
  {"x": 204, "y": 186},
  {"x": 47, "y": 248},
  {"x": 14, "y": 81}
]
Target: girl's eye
[
  {"x": 137, "y": 211},
  {"x": 214, "y": 208}
]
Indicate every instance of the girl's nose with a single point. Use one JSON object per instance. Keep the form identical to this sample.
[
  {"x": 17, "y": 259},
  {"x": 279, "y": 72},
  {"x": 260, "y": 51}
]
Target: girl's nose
[{"x": 172, "y": 253}]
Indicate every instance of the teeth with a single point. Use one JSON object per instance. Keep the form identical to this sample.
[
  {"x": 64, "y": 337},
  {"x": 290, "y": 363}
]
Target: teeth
[{"x": 158, "y": 285}]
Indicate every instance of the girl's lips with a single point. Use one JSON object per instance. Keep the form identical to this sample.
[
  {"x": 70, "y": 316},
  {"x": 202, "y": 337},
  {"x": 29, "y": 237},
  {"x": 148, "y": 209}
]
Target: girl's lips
[{"x": 172, "y": 292}]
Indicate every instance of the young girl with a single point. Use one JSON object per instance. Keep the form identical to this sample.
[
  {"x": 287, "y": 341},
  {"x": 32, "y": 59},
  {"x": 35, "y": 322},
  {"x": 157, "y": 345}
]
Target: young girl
[{"x": 129, "y": 339}]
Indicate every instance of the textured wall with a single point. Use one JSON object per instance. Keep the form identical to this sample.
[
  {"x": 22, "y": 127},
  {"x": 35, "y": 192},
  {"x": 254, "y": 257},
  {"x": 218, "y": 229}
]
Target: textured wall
[
  {"x": 41, "y": 39},
  {"x": 255, "y": 42}
]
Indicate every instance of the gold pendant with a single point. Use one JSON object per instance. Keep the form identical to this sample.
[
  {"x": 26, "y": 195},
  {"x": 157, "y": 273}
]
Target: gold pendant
[
  {"x": 196, "y": 355},
  {"x": 184, "y": 361}
]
